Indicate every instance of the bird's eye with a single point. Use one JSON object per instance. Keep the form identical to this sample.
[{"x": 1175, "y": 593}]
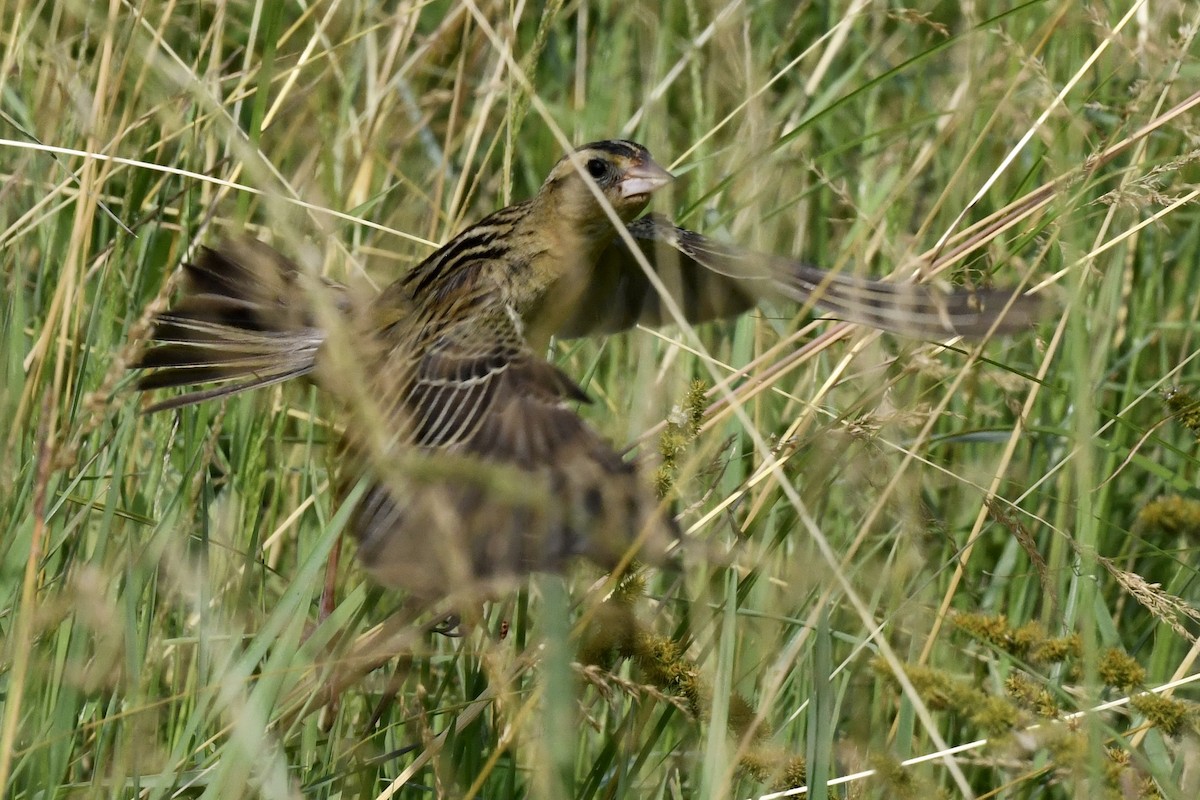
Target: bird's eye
[{"x": 597, "y": 168}]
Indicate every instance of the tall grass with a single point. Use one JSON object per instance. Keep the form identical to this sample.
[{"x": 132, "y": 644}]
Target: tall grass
[{"x": 892, "y": 548}]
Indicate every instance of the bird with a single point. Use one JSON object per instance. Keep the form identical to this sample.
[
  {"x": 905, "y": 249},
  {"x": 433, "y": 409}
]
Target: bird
[{"x": 472, "y": 463}]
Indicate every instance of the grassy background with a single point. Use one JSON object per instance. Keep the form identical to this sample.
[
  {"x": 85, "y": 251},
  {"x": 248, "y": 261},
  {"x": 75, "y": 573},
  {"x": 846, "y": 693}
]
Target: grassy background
[{"x": 160, "y": 575}]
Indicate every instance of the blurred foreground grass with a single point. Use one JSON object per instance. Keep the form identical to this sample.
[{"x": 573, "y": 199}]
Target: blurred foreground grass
[{"x": 1011, "y": 529}]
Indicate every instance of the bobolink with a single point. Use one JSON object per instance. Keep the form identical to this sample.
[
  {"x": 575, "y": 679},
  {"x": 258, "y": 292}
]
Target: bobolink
[{"x": 478, "y": 466}]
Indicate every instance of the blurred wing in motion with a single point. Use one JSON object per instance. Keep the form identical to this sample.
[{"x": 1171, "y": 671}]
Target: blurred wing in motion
[
  {"x": 509, "y": 479},
  {"x": 243, "y": 322},
  {"x": 710, "y": 280}
]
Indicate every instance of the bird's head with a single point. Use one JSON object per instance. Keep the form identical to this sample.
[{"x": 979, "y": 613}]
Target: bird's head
[{"x": 623, "y": 171}]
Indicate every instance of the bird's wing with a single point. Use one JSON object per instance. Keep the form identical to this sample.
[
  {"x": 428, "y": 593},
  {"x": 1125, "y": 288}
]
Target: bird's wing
[
  {"x": 506, "y": 477},
  {"x": 711, "y": 280}
]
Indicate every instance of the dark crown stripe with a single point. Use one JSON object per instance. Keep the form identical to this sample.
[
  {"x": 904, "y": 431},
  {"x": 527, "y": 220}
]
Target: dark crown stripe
[{"x": 617, "y": 147}]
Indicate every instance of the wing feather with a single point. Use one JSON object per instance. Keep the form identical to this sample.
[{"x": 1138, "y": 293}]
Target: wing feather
[
  {"x": 512, "y": 480},
  {"x": 711, "y": 280}
]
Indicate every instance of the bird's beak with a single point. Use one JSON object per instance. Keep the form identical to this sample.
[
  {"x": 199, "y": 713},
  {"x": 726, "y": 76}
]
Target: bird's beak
[{"x": 642, "y": 179}]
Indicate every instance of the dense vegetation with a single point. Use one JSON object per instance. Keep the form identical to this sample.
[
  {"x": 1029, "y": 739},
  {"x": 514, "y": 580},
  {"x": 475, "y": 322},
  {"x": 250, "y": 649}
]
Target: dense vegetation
[{"x": 892, "y": 547}]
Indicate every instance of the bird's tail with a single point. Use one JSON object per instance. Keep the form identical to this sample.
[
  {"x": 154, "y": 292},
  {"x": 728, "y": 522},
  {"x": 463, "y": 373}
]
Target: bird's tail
[{"x": 244, "y": 321}]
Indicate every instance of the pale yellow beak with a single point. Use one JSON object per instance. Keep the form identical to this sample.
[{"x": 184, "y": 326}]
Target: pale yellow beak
[{"x": 642, "y": 179}]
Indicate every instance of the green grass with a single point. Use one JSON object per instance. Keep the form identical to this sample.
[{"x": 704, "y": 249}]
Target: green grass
[{"x": 160, "y": 634}]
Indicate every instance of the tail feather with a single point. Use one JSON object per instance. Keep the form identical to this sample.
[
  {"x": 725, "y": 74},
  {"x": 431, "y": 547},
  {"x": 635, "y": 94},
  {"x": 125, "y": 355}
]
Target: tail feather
[
  {"x": 199, "y": 396},
  {"x": 244, "y": 321},
  {"x": 184, "y": 366}
]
